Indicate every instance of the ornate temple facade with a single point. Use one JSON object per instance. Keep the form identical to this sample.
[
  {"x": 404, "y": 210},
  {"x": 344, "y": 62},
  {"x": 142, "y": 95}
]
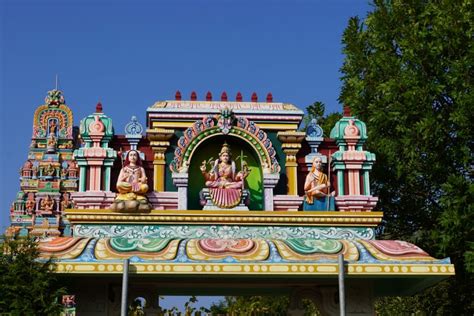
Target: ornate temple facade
[{"x": 212, "y": 198}]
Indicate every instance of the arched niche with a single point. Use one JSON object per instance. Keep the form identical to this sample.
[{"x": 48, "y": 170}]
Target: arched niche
[{"x": 209, "y": 147}]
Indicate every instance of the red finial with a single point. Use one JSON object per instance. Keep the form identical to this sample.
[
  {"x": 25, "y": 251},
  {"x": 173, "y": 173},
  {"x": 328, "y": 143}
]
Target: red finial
[
  {"x": 269, "y": 97},
  {"x": 98, "y": 108},
  {"x": 254, "y": 97},
  {"x": 346, "y": 111},
  {"x": 177, "y": 96},
  {"x": 238, "y": 98},
  {"x": 209, "y": 96},
  {"x": 224, "y": 96},
  {"x": 193, "y": 96}
]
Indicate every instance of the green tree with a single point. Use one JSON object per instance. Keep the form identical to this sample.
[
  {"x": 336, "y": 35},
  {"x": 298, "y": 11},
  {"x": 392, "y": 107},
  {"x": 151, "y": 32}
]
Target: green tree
[
  {"x": 27, "y": 286},
  {"x": 316, "y": 111},
  {"x": 258, "y": 305},
  {"x": 408, "y": 74}
]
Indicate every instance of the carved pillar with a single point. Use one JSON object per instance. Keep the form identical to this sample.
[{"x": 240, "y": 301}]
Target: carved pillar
[
  {"x": 291, "y": 144},
  {"x": 269, "y": 182},
  {"x": 159, "y": 142},
  {"x": 181, "y": 181}
]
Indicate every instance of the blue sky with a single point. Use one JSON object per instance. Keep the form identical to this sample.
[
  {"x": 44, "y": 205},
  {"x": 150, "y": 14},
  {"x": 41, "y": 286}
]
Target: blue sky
[{"x": 129, "y": 54}]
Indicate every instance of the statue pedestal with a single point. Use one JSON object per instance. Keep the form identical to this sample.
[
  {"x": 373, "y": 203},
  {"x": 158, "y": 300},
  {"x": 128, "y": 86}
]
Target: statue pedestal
[
  {"x": 356, "y": 203},
  {"x": 206, "y": 196}
]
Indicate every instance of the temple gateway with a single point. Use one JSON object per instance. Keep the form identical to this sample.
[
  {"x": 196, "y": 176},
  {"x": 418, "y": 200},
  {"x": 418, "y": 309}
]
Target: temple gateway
[{"x": 211, "y": 198}]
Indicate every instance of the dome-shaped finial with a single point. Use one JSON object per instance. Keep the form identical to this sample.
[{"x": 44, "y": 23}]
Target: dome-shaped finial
[
  {"x": 177, "y": 96},
  {"x": 209, "y": 96},
  {"x": 193, "y": 96}
]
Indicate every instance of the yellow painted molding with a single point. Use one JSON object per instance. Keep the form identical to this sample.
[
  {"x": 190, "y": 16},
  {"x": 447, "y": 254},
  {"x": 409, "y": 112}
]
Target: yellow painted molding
[
  {"x": 183, "y": 125},
  {"x": 309, "y": 270},
  {"x": 260, "y": 218}
]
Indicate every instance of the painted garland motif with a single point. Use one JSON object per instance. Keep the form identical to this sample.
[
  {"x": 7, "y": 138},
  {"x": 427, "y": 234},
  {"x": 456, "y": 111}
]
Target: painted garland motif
[
  {"x": 63, "y": 247},
  {"x": 44, "y": 114},
  {"x": 225, "y": 123},
  {"x": 314, "y": 250},
  {"x": 145, "y": 244},
  {"x": 148, "y": 248},
  {"x": 395, "y": 250},
  {"x": 223, "y": 249},
  {"x": 310, "y": 246},
  {"x": 228, "y": 250}
]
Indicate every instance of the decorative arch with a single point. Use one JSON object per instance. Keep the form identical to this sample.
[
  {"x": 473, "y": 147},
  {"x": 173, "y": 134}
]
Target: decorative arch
[
  {"x": 225, "y": 123},
  {"x": 45, "y": 112}
]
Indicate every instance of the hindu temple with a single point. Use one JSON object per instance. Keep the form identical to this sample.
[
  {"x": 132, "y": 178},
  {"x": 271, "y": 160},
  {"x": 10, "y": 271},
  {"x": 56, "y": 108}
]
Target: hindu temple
[{"x": 210, "y": 197}]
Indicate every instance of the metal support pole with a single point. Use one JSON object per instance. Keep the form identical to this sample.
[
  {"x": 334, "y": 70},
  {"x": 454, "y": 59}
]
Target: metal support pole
[
  {"x": 123, "y": 309},
  {"x": 342, "y": 298}
]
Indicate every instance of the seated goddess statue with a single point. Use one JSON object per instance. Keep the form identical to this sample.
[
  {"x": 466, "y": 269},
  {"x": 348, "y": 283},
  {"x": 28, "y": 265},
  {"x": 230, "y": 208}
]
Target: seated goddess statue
[
  {"x": 224, "y": 183},
  {"x": 132, "y": 185},
  {"x": 316, "y": 187}
]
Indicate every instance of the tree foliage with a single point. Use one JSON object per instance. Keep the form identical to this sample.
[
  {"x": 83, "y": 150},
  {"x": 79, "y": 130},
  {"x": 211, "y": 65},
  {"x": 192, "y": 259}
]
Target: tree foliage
[
  {"x": 316, "y": 111},
  {"x": 259, "y": 305},
  {"x": 27, "y": 286},
  {"x": 408, "y": 74}
]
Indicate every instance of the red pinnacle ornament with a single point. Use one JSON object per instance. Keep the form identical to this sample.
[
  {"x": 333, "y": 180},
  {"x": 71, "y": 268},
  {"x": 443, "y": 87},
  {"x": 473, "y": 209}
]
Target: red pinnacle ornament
[
  {"x": 98, "y": 108},
  {"x": 193, "y": 96},
  {"x": 254, "y": 97},
  {"x": 238, "y": 98},
  {"x": 177, "y": 96},
  {"x": 346, "y": 111},
  {"x": 269, "y": 97},
  {"x": 209, "y": 96},
  {"x": 224, "y": 96}
]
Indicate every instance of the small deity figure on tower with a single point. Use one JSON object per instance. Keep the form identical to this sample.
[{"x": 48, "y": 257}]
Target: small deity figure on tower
[
  {"x": 64, "y": 173},
  {"x": 47, "y": 205},
  {"x": 49, "y": 170},
  {"x": 132, "y": 186},
  {"x": 52, "y": 127},
  {"x": 225, "y": 184},
  {"x": 317, "y": 187},
  {"x": 51, "y": 143},
  {"x": 30, "y": 203},
  {"x": 66, "y": 202}
]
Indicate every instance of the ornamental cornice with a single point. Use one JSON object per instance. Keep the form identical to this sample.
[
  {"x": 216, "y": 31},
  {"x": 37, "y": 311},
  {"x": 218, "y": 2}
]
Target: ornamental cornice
[{"x": 355, "y": 219}]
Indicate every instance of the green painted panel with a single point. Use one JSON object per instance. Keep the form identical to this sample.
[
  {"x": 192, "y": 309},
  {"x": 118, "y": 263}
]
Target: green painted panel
[
  {"x": 280, "y": 188},
  {"x": 169, "y": 156}
]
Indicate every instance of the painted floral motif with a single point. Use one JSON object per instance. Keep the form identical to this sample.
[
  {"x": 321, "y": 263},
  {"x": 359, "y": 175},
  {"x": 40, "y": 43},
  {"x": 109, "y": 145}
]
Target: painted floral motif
[
  {"x": 227, "y": 250},
  {"x": 227, "y": 245},
  {"x": 62, "y": 247},
  {"x": 225, "y": 232},
  {"x": 309, "y": 246},
  {"x": 146, "y": 244},
  {"x": 315, "y": 250},
  {"x": 152, "y": 249},
  {"x": 395, "y": 250}
]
